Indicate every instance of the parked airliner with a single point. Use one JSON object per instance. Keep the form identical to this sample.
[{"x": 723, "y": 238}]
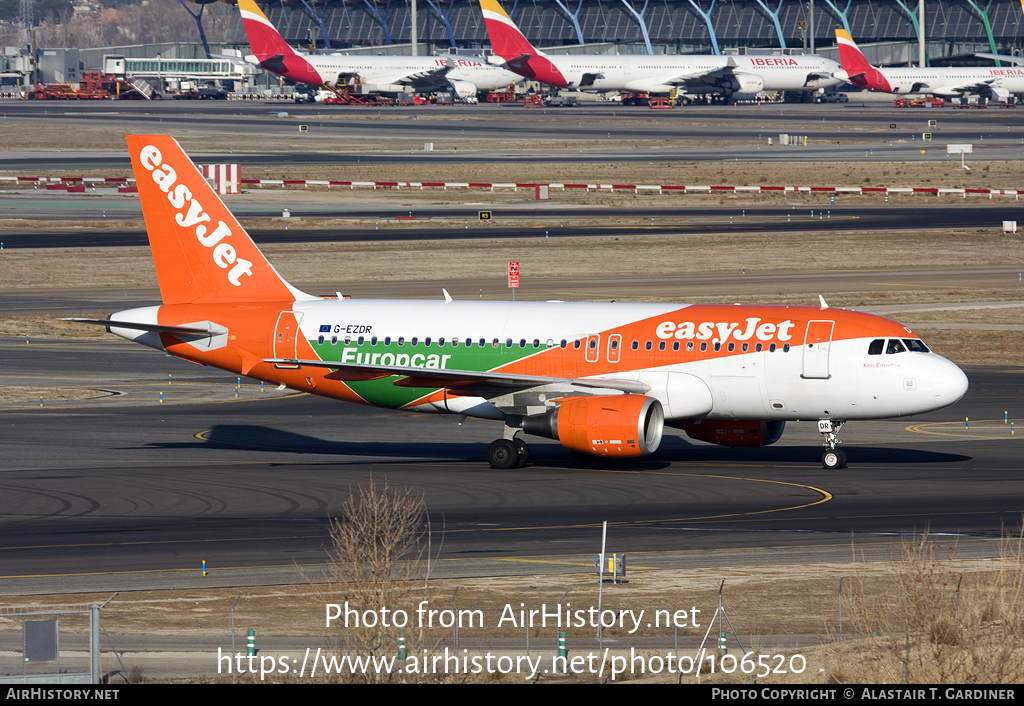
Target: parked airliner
[
  {"x": 604, "y": 379},
  {"x": 378, "y": 74},
  {"x": 992, "y": 82},
  {"x": 731, "y": 76}
]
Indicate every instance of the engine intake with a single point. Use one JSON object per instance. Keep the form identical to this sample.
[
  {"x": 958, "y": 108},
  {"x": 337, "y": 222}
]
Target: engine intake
[{"x": 622, "y": 426}]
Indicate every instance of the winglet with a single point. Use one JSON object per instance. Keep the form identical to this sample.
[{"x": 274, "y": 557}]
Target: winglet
[
  {"x": 447, "y": 296},
  {"x": 824, "y": 304}
]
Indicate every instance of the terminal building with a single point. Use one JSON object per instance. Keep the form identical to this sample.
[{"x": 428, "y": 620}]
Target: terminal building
[
  {"x": 953, "y": 28},
  {"x": 887, "y": 31}
]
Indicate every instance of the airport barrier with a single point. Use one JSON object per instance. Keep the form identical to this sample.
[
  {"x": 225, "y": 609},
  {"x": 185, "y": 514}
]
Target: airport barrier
[{"x": 636, "y": 188}]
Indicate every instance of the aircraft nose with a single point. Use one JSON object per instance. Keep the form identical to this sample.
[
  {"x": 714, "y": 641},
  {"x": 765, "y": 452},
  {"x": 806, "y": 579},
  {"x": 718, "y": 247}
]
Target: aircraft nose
[{"x": 949, "y": 383}]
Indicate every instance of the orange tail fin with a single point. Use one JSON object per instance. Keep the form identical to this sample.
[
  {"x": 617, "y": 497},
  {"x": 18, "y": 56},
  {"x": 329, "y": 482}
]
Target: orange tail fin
[{"x": 202, "y": 254}]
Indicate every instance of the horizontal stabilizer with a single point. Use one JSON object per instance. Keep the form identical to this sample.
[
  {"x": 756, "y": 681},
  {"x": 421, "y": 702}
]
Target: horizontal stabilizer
[{"x": 205, "y": 330}]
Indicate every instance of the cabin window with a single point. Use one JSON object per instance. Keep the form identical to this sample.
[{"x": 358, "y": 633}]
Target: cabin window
[
  {"x": 522, "y": 343},
  {"x": 732, "y": 347},
  {"x": 757, "y": 347},
  {"x": 426, "y": 341},
  {"x": 360, "y": 340},
  {"x": 348, "y": 340},
  {"x": 536, "y": 343},
  {"x": 494, "y": 343},
  {"x": 785, "y": 348},
  {"x": 373, "y": 341},
  {"x": 412, "y": 342},
  {"x": 771, "y": 348},
  {"x": 718, "y": 346},
  {"x": 387, "y": 341},
  {"x": 320, "y": 340},
  {"x": 744, "y": 347},
  {"x": 483, "y": 342},
  {"x": 614, "y": 344},
  {"x": 647, "y": 346},
  {"x": 576, "y": 343},
  {"x": 895, "y": 346},
  {"x": 334, "y": 340},
  {"x": 564, "y": 343},
  {"x": 915, "y": 345},
  {"x": 440, "y": 342},
  {"x": 703, "y": 345},
  {"x": 401, "y": 340},
  {"x": 876, "y": 346},
  {"x": 661, "y": 346},
  {"x": 635, "y": 345},
  {"x": 689, "y": 346},
  {"x": 592, "y": 344},
  {"x": 675, "y": 345}
]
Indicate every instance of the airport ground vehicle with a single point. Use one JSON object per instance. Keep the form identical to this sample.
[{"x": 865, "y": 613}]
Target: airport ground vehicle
[{"x": 604, "y": 379}]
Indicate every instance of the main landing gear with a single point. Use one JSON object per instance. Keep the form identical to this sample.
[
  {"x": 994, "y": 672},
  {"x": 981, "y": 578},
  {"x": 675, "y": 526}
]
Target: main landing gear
[
  {"x": 508, "y": 453},
  {"x": 833, "y": 457}
]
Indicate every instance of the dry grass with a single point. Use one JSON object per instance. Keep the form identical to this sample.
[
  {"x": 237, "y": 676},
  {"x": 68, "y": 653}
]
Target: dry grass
[{"x": 942, "y": 619}]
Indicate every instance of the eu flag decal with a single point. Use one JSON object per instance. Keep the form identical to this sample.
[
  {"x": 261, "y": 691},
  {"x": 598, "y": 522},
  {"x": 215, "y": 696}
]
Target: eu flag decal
[{"x": 325, "y": 328}]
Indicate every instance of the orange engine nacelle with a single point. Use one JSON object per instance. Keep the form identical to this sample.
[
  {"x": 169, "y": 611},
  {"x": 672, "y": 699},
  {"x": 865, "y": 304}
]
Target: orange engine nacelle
[
  {"x": 622, "y": 426},
  {"x": 735, "y": 432}
]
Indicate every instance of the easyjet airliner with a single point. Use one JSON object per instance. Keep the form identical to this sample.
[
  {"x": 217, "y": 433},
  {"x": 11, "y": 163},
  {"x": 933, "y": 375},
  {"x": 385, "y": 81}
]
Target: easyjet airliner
[
  {"x": 730, "y": 76},
  {"x": 992, "y": 82},
  {"x": 604, "y": 379},
  {"x": 382, "y": 74}
]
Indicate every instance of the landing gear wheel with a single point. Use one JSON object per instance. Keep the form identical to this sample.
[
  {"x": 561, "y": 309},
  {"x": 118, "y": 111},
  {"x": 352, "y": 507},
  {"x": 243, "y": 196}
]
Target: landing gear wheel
[
  {"x": 833, "y": 459},
  {"x": 524, "y": 452},
  {"x": 503, "y": 454}
]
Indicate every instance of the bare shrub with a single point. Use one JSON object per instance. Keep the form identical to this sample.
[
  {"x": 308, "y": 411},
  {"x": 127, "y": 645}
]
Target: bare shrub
[
  {"x": 372, "y": 562},
  {"x": 933, "y": 623}
]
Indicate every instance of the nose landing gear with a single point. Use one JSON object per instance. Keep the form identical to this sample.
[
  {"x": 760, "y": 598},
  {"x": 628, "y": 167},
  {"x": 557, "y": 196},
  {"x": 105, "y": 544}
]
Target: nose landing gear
[{"x": 833, "y": 457}]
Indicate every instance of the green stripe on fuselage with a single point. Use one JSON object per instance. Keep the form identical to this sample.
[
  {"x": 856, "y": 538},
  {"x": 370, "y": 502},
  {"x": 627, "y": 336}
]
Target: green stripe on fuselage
[{"x": 383, "y": 393}]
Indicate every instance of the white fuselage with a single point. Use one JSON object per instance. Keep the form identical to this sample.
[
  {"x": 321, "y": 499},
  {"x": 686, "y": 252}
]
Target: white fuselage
[
  {"x": 401, "y": 72},
  {"x": 756, "y": 363},
  {"x": 659, "y": 74}
]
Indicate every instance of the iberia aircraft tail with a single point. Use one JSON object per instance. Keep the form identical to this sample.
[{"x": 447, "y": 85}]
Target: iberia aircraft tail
[
  {"x": 850, "y": 56},
  {"x": 270, "y": 49},
  {"x": 512, "y": 45},
  {"x": 506, "y": 39},
  {"x": 202, "y": 254},
  {"x": 264, "y": 39}
]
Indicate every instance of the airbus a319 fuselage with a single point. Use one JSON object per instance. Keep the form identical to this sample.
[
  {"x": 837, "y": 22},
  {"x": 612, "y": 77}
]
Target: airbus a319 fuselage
[{"x": 604, "y": 379}]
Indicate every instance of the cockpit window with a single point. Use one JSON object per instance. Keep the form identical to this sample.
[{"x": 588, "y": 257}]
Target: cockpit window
[
  {"x": 894, "y": 347},
  {"x": 876, "y": 346},
  {"x": 915, "y": 345}
]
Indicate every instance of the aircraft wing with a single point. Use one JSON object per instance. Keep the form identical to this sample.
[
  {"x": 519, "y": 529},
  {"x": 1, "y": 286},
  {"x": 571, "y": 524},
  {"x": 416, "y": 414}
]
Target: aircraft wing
[
  {"x": 701, "y": 77},
  {"x": 485, "y": 383},
  {"x": 421, "y": 79},
  {"x": 1003, "y": 57}
]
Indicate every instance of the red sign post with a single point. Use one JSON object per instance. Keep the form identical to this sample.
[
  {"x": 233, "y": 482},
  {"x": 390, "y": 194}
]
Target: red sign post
[{"x": 513, "y": 278}]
